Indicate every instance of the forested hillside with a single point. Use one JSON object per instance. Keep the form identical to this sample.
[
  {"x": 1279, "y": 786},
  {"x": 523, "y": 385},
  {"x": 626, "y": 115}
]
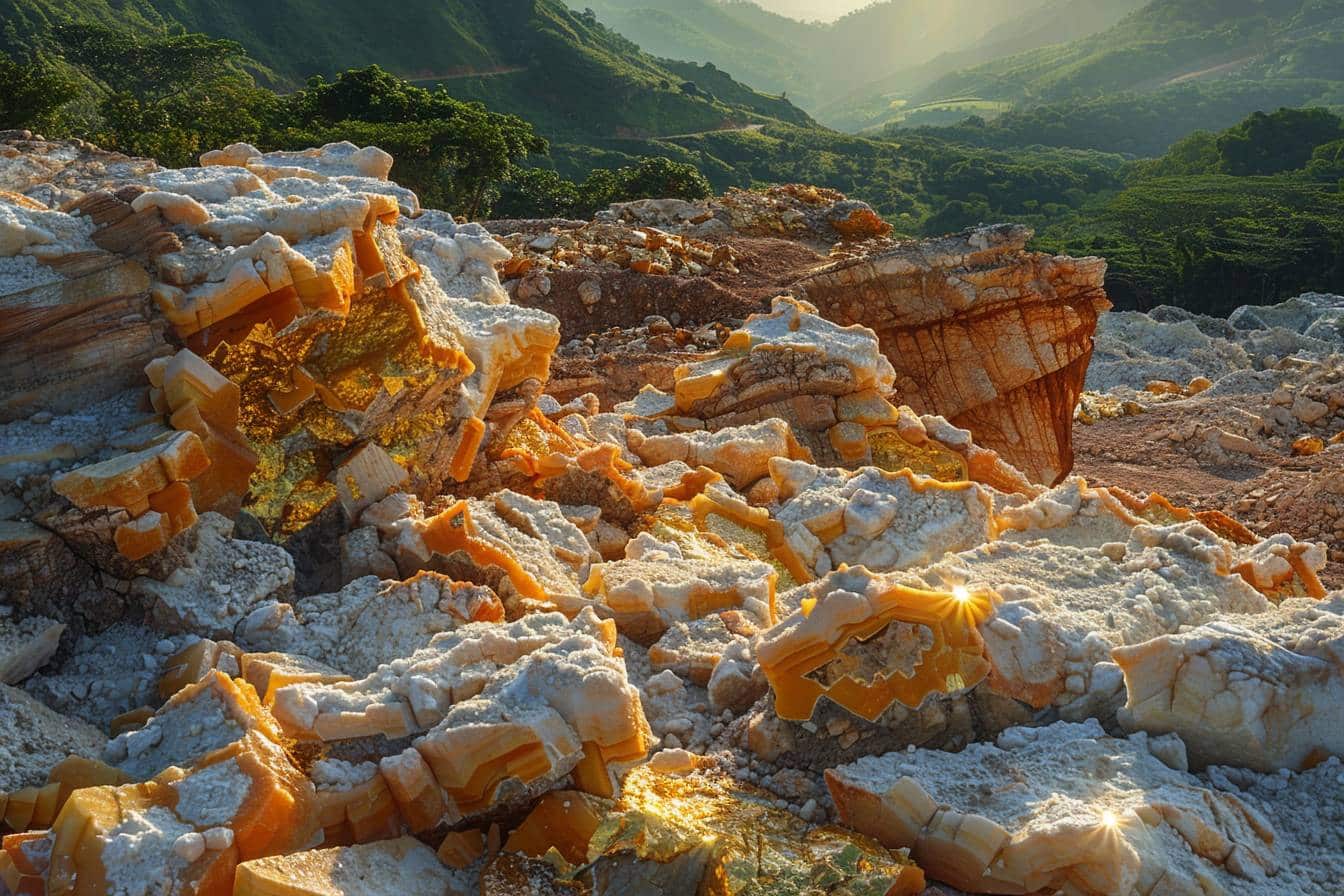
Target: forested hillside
[
  {"x": 835, "y": 69},
  {"x": 1169, "y": 68},
  {"x": 559, "y": 69}
]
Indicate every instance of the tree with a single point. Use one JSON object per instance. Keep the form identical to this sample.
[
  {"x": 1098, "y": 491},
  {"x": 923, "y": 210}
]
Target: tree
[
  {"x": 1327, "y": 162},
  {"x": 652, "y": 178},
  {"x": 456, "y": 154},
  {"x": 31, "y": 92},
  {"x": 150, "y": 67},
  {"x": 1195, "y": 154},
  {"x": 1281, "y": 141},
  {"x": 169, "y": 96},
  {"x": 536, "y": 193}
]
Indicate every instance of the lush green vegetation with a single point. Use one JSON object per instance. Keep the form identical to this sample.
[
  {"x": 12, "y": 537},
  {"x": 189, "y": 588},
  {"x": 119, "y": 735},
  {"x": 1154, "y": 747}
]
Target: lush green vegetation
[
  {"x": 173, "y": 95},
  {"x": 1249, "y": 215},
  {"x": 1138, "y": 124},
  {"x": 564, "y": 72},
  {"x": 1168, "y": 68}
]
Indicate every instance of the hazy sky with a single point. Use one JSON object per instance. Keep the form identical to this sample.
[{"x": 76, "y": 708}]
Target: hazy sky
[{"x": 813, "y": 9}]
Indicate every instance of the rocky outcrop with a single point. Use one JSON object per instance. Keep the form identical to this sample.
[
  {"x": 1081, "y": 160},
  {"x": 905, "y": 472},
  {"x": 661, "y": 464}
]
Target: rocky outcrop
[
  {"x": 306, "y": 336},
  {"x": 992, "y": 337}
]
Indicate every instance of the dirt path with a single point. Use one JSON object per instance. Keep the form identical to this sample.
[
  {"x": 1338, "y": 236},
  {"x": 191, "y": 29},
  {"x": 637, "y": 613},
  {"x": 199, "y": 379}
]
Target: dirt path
[
  {"x": 743, "y": 127},
  {"x": 475, "y": 73},
  {"x": 1207, "y": 72}
]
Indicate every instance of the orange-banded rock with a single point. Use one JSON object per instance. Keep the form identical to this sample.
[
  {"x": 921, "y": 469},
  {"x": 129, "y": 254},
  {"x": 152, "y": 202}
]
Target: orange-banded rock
[
  {"x": 1066, "y": 606},
  {"x": 789, "y": 363},
  {"x": 990, "y": 336},
  {"x": 186, "y": 828},
  {"x": 865, "y": 640},
  {"x": 502, "y": 710},
  {"x": 741, "y": 453},
  {"x": 1262, "y": 691},
  {"x": 36, "y": 808},
  {"x": 403, "y": 865},
  {"x": 340, "y": 342},
  {"x": 150, "y": 485},
  {"x": 793, "y": 384},
  {"x": 1278, "y": 566},
  {"x": 266, "y": 673},
  {"x": 1076, "y": 513},
  {"x": 527, "y": 550},
  {"x": 1062, "y": 808},
  {"x": 411, "y": 694},
  {"x": 202, "y": 717},
  {"x": 656, "y": 586},
  {"x": 354, "y": 803},
  {"x": 884, "y": 521}
]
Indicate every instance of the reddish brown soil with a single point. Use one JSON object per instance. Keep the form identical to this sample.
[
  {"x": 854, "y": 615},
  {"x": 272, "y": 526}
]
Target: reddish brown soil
[{"x": 1270, "y": 492}]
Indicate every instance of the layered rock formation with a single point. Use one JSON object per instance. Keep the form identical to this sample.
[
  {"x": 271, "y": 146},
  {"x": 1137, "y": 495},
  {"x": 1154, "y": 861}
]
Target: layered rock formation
[{"x": 992, "y": 337}]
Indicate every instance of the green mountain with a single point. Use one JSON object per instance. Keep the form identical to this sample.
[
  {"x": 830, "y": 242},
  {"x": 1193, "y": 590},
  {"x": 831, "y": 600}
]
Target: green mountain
[
  {"x": 562, "y": 70},
  {"x": 1163, "y": 71},
  {"x": 1169, "y": 42},
  {"x": 817, "y": 63},
  {"x": 888, "y": 100}
]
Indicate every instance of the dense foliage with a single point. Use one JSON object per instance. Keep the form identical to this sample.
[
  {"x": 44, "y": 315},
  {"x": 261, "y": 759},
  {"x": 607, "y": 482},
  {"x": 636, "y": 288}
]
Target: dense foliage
[
  {"x": 542, "y": 192},
  {"x": 1249, "y": 215}
]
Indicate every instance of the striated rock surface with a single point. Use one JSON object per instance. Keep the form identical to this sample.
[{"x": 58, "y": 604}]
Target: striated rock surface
[
  {"x": 333, "y": 350},
  {"x": 992, "y": 337}
]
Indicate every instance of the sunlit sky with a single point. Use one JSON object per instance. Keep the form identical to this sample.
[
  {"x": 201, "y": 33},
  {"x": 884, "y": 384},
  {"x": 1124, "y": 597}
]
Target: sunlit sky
[{"x": 825, "y": 10}]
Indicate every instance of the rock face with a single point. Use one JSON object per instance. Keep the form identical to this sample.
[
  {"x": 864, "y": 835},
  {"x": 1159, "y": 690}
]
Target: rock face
[
  {"x": 1260, "y": 691},
  {"x": 332, "y": 347},
  {"x": 992, "y": 337}
]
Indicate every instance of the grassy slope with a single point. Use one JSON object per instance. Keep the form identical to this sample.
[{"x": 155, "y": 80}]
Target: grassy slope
[
  {"x": 764, "y": 50},
  {"x": 298, "y": 38},
  {"x": 886, "y": 100}
]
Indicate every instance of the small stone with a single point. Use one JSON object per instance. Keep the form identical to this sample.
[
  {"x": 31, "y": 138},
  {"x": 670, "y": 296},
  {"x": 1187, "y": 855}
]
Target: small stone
[
  {"x": 1309, "y": 411},
  {"x": 218, "y": 838},
  {"x": 190, "y": 846},
  {"x": 1229, "y": 441}
]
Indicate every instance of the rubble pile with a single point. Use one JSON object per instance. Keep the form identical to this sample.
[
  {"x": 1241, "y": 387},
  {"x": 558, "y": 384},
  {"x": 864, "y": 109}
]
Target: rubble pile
[
  {"x": 316, "y": 582},
  {"x": 609, "y": 246},
  {"x": 1256, "y": 400}
]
